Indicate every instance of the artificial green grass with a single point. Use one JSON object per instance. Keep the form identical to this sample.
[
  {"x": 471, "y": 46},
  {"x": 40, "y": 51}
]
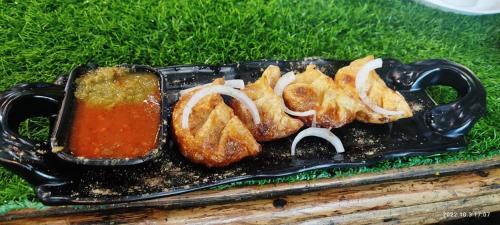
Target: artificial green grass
[{"x": 42, "y": 39}]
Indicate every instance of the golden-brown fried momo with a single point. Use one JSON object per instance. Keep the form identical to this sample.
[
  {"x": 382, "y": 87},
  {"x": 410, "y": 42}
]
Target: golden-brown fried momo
[
  {"x": 378, "y": 92},
  {"x": 313, "y": 90},
  {"x": 215, "y": 137},
  {"x": 275, "y": 123}
]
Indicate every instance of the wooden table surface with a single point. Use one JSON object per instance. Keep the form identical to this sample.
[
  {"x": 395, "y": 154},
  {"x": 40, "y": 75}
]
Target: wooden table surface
[{"x": 417, "y": 195}]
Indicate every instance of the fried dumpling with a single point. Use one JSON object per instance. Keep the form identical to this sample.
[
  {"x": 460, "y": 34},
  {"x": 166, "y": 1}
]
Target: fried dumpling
[
  {"x": 378, "y": 92},
  {"x": 216, "y": 137},
  {"x": 313, "y": 90},
  {"x": 275, "y": 123}
]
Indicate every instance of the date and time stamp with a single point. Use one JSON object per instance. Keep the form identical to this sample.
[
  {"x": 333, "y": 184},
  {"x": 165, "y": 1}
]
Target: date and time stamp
[{"x": 466, "y": 214}]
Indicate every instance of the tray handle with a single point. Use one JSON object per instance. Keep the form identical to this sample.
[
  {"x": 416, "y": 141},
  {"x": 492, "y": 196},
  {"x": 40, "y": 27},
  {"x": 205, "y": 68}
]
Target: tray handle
[
  {"x": 28, "y": 158},
  {"x": 455, "y": 118}
]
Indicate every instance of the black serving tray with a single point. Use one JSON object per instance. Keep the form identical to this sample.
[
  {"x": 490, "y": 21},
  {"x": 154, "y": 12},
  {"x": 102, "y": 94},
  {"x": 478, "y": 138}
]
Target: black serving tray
[{"x": 432, "y": 129}]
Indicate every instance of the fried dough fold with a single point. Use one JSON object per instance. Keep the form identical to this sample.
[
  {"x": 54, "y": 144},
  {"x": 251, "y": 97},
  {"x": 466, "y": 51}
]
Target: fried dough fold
[
  {"x": 313, "y": 90},
  {"x": 275, "y": 123},
  {"x": 377, "y": 91},
  {"x": 337, "y": 101},
  {"x": 216, "y": 137}
]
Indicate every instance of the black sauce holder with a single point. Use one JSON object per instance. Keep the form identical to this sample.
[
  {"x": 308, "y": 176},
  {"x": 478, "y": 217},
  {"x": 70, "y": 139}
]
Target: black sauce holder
[
  {"x": 60, "y": 135},
  {"x": 61, "y": 178}
]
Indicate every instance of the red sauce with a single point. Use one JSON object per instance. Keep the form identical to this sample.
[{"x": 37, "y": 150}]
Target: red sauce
[{"x": 126, "y": 130}]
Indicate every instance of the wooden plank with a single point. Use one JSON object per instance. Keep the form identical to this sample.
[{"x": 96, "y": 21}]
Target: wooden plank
[
  {"x": 201, "y": 198},
  {"x": 424, "y": 200}
]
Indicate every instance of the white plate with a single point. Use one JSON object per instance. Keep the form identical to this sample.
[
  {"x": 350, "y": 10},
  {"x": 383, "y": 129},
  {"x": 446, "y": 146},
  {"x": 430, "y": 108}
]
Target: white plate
[{"x": 466, "y": 7}]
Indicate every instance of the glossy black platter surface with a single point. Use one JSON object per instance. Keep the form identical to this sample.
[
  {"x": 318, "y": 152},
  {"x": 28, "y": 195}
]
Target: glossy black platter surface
[{"x": 433, "y": 129}]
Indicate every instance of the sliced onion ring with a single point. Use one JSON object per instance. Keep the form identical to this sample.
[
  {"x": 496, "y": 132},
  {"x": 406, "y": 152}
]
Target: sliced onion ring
[
  {"x": 281, "y": 84},
  {"x": 236, "y": 83},
  {"x": 324, "y": 133},
  {"x": 361, "y": 83},
  {"x": 219, "y": 89}
]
